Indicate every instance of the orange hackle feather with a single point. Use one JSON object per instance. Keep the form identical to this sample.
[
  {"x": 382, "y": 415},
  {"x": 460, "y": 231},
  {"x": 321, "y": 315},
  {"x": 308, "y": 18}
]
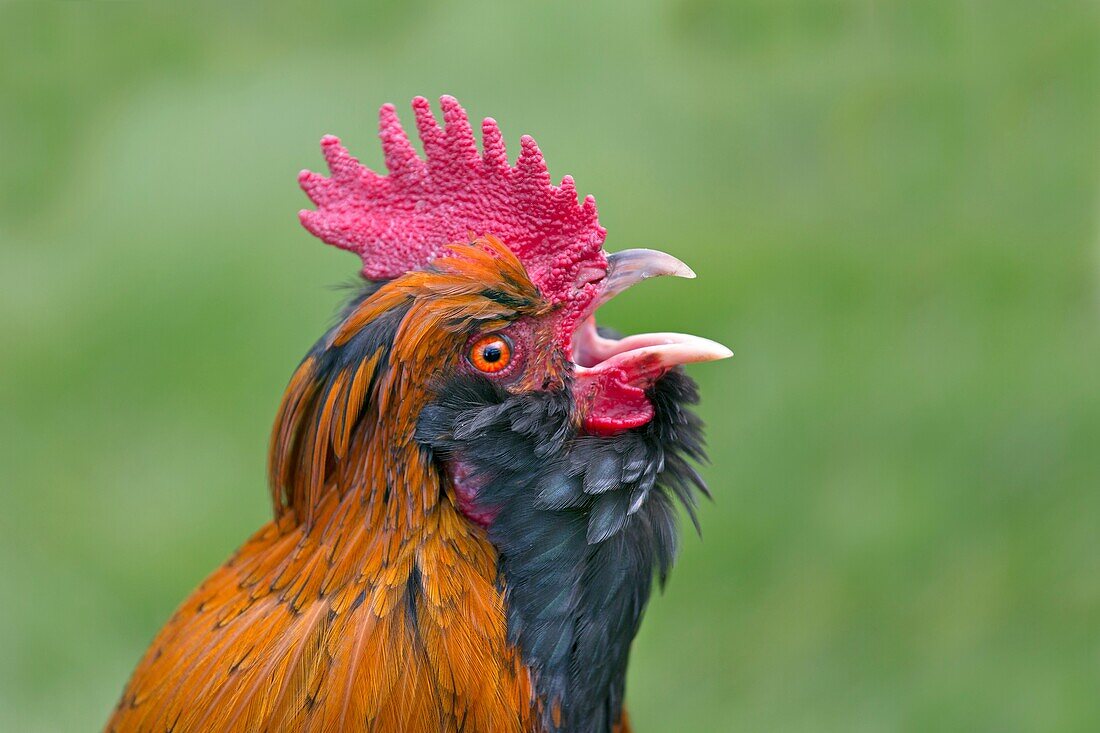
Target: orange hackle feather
[{"x": 315, "y": 623}]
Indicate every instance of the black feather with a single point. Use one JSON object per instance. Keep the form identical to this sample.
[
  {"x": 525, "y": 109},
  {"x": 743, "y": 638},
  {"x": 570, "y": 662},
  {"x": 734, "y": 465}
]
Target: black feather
[{"x": 585, "y": 522}]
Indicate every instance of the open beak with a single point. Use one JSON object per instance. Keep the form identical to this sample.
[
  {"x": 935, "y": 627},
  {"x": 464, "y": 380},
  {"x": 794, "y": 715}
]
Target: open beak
[{"x": 613, "y": 374}]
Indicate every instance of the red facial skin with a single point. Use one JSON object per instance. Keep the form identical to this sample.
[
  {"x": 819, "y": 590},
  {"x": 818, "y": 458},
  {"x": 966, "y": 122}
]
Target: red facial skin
[
  {"x": 610, "y": 377},
  {"x": 612, "y": 403},
  {"x": 466, "y": 491}
]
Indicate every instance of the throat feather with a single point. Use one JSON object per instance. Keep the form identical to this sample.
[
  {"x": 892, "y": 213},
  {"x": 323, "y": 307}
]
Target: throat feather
[{"x": 581, "y": 523}]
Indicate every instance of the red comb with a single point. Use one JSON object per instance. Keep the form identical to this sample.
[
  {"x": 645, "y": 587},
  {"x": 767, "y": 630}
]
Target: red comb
[{"x": 400, "y": 222}]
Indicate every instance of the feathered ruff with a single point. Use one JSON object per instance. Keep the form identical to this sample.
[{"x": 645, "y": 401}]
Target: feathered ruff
[{"x": 369, "y": 603}]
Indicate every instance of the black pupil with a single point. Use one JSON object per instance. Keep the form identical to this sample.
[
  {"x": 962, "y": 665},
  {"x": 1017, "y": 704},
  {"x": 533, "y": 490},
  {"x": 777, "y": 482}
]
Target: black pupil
[{"x": 492, "y": 353}]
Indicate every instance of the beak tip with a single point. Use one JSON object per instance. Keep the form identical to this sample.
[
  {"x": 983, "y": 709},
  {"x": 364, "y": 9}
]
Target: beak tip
[
  {"x": 685, "y": 349},
  {"x": 717, "y": 351}
]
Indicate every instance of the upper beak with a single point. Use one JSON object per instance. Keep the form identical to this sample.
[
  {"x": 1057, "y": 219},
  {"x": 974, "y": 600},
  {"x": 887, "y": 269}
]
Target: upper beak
[{"x": 631, "y": 266}]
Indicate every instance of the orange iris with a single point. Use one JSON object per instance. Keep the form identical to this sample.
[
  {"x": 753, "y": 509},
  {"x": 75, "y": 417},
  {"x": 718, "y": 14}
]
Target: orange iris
[{"x": 491, "y": 353}]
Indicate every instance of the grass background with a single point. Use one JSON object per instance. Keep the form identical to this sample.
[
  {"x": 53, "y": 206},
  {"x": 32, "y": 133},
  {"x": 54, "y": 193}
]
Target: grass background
[{"x": 893, "y": 210}]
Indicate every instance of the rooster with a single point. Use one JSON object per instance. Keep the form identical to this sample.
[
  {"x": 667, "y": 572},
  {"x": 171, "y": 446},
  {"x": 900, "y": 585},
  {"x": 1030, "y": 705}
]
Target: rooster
[{"x": 473, "y": 485}]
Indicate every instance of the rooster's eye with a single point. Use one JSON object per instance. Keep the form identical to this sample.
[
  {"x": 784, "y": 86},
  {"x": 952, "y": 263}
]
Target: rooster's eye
[{"x": 491, "y": 353}]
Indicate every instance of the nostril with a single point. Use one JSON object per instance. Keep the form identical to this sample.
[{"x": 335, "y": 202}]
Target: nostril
[{"x": 590, "y": 274}]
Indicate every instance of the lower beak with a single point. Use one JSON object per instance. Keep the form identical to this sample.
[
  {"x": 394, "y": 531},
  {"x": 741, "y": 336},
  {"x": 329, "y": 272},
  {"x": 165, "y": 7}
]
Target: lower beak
[{"x": 644, "y": 352}]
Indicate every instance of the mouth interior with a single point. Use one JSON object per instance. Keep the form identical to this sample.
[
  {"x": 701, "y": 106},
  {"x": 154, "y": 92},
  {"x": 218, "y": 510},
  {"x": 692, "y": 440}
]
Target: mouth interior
[
  {"x": 613, "y": 375},
  {"x": 589, "y": 347}
]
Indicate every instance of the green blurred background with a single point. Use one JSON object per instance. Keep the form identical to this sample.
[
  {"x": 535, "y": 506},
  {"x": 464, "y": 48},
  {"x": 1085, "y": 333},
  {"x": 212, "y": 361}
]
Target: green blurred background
[{"x": 893, "y": 210}]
